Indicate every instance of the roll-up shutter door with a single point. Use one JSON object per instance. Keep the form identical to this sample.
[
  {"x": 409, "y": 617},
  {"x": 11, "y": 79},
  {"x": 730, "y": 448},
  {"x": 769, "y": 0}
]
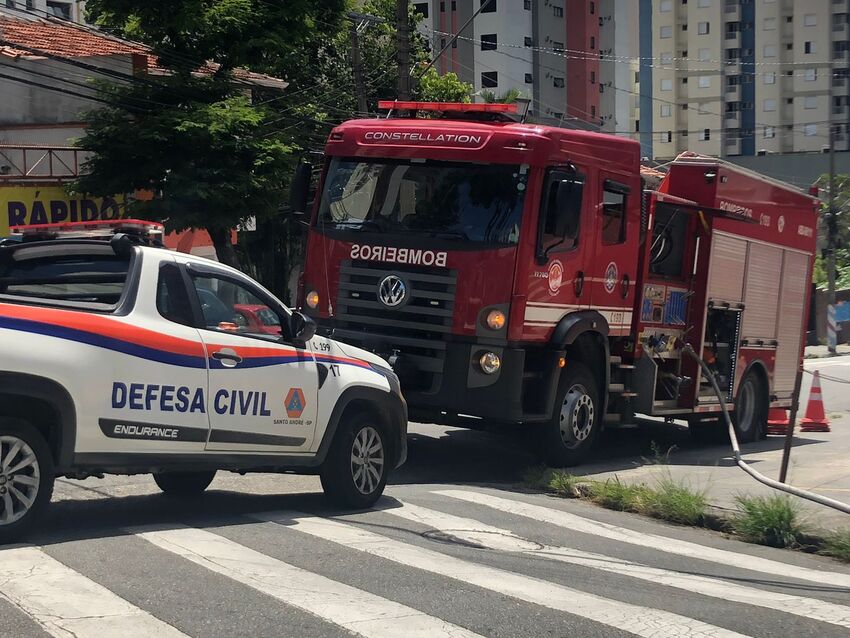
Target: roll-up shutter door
[
  {"x": 726, "y": 271},
  {"x": 761, "y": 291},
  {"x": 795, "y": 274}
]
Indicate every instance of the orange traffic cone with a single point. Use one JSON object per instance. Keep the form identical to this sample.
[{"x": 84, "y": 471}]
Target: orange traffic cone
[
  {"x": 777, "y": 421},
  {"x": 815, "y": 419}
]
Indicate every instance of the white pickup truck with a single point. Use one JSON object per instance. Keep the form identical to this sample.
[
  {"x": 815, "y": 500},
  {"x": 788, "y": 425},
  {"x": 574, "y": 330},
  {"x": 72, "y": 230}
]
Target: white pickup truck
[{"x": 120, "y": 357}]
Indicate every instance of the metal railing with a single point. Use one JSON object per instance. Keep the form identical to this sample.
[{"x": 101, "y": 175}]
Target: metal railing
[{"x": 27, "y": 162}]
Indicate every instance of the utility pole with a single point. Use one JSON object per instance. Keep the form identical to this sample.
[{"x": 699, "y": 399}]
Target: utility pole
[
  {"x": 403, "y": 46},
  {"x": 359, "y": 23},
  {"x": 831, "y": 222}
]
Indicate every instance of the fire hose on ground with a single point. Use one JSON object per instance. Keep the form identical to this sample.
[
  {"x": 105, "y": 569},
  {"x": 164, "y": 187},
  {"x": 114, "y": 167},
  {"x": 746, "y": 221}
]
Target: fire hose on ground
[{"x": 761, "y": 478}]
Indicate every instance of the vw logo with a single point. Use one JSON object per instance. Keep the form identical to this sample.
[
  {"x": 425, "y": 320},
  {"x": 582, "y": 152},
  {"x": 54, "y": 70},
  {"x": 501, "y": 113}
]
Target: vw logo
[{"x": 392, "y": 291}]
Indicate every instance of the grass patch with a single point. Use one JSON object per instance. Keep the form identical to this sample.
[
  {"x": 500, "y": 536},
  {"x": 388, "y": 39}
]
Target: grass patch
[
  {"x": 768, "y": 520},
  {"x": 677, "y": 503},
  {"x": 837, "y": 545},
  {"x": 616, "y": 495}
]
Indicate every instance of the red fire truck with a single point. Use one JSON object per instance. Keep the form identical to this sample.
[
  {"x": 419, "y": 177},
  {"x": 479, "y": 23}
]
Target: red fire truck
[{"x": 517, "y": 273}]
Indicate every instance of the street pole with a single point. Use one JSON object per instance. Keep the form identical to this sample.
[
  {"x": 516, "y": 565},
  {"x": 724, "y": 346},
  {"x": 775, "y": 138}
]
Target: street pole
[
  {"x": 831, "y": 225},
  {"x": 357, "y": 67},
  {"x": 403, "y": 46}
]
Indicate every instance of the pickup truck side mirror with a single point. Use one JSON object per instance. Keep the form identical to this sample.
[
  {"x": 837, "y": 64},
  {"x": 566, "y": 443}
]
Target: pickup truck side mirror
[
  {"x": 300, "y": 189},
  {"x": 301, "y": 327},
  {"x": 568, "y": 203}
]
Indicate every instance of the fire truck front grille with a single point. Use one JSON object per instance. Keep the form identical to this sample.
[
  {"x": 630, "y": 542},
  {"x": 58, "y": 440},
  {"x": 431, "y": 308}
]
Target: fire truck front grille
[{"x": 416, "y": 328}]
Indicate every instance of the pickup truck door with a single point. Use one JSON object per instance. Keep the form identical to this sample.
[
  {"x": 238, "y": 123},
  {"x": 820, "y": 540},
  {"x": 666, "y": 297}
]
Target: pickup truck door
[{"x": 263, "y": 390}]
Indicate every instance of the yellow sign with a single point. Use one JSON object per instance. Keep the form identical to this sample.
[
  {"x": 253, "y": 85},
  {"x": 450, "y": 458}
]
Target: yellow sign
[{"x": 22, "y": 205}]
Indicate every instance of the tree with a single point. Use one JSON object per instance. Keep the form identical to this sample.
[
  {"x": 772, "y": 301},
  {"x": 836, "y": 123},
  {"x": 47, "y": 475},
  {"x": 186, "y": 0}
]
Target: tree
[
  {"x": 200, "y": 141},
  {"x": 434, "y": 87},
  {"x": 508, "y": 97},
  {"x": 841, "y": 231}
]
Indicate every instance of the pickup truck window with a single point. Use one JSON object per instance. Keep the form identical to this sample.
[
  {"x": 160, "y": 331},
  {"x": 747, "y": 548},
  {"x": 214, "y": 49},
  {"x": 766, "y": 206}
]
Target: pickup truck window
[
  {"x": 229, "y": 307},
  {"x": 172, "y": 299},
  {"x": 83, "y": 278}
]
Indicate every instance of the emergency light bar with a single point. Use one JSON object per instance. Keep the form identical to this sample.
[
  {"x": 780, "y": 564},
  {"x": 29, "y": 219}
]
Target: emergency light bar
[
  {"x": 458, "y": 107},
  {"x": 97, "y": 228}
]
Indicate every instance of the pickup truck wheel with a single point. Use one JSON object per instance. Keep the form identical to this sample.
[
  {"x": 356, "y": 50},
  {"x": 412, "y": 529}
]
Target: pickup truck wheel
[
  {"x": 183, "y": 483},
  {"x": 569, "y": 437},
  {"x": 355, "y": 471},
  {"x": 750, "y": 416},
  {"x": 26, "y": 478}
]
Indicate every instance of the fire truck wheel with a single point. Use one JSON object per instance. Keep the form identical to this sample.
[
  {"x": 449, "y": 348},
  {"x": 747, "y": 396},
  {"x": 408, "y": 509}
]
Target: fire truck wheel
[
  {"x": 750, "y": 416},
  {"x": 26, "y": 478},
  {"x": 569, "y": 437},
  {"x": 183, "y": 483},
  {"x": 355, "y": 471}
]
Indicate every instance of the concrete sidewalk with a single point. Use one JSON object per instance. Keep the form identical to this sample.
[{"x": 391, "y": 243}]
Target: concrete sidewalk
[
  {"x": 820, "y": 462},
  {"x": 819, "y": 352}
]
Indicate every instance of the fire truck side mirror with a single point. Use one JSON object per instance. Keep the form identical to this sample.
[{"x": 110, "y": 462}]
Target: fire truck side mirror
[
  {"x": 568, "y": 202},
  {"x": 300, "y": 189}
]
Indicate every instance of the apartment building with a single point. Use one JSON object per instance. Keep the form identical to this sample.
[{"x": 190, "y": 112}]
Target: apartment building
[
  {"x": 554, "y": 51},
  {"x": 72, "y": 10},
  {"x": 742, "y": 77}
]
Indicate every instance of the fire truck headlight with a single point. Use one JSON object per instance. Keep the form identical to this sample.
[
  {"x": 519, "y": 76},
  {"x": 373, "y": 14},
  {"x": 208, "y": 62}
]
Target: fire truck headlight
[
  {"x": 490, "y": 363},
  {"x": 312, "y": 299},
  {"x": 496, "y": 320}
]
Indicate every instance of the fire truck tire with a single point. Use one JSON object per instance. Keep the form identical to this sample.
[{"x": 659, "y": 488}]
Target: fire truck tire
[
  {"x": 750, "y": 416},
  {"x": 26, "y": 478},
  {"x": 569, "y": 437},
  {"x": 354, "y": 473},
  {"x": 181, "y": 484}
]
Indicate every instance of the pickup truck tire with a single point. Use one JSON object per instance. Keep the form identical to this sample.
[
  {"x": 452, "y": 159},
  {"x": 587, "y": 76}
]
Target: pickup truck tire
[
  {"x": 26, "y": 478},
  {"x": 181, "y": 484},
  {"x": 568, "y": 438},
  {"x": 354, "y": 473}
]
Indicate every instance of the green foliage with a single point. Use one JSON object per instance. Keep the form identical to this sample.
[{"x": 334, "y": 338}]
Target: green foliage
[
  {"x": 676, "y": 503},
  {"x": 768, "y": 520},
  {"x": 837, "y": 545},
  {"x": 623, "y": 497},
  {"x": 434, "y": 87},
  {"x": 508, "y": 97},
  {"x": 842, "y": 231}
]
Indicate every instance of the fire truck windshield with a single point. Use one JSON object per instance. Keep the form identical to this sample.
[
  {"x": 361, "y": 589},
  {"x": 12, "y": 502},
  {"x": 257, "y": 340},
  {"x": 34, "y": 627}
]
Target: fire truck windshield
[{"x": 446, "y": 200}]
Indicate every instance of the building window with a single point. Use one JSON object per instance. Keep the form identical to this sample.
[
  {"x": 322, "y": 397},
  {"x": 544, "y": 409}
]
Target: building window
[
  {"x": 810, "y": 130},
  {"x": 770, "y": 24},
  {"x": 442, "y": 7},
  {"x": 637, "y": 126},
  {"x": 684, "y": 26},
  {"x": 703, "y": 4},
  {"x": 704, "y": 82},
  {"x": 665, "y": 110},
  {"x": 592, "y": 8},
  {"x": 528, "y": 41},
  {"x": 704, "y": 55},
  {"x": 601, "y": 88},
  {"x": 529, "y": 78},
  {"x": 488, "y": 41},
  {"x": 558, "y": 83},
  {"x": 667, "y": 58},
  {"x": 526, "y": 5},
  {"x": 592, "y": 110},
  {"x": 666, "y": 84},
  {"x": 422, "y": 8},
  {"x": 665, "y": 6},
  {"x": 454, "y": 5},
  {"x": 810, "y": 75},
  {"x": 665, "y": 32},
  {"x": 769, "y": 132},
  {"x": 558, "y": 11},
  {"x": 810, "y": 20},
  {"x": 490, "y": 8},
  {"x": 770, "y": 78},
  {"x": 592, "y": 43},
  {"x": 769, "y": 105},
  {"x": 809, "y": 47},
  {"x": 61, "y": 10},
  {"x": 593, "y": 77},
  {"x": 558, "y": 46},
  {"x": 769, "y": 50},
  {"x": 489, "y": 79},
  {"x": 706, "y": 135},
  {"x": 810, "y": 102},
  {"x": 703, "y": 28},
  {"x": 669, "y": 136}
]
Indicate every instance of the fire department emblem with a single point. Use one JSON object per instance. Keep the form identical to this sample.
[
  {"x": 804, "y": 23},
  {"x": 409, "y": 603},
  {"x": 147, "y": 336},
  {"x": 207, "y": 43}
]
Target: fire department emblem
[
  {"x": 611, "y": 277},
  {"x": 556, "y": 276},
  {"x": 392, "y": 291},
  {"x": 294, "y": 403}
]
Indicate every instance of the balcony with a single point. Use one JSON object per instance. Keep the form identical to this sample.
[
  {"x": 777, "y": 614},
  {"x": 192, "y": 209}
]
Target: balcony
[
  {"x": 732, "y": 120},
  {"x": 733, "y": 93},
  {"x": 839, "y": 110},
  {"x": 732, "y": 39},
  {"x": 732, "y": 12}
]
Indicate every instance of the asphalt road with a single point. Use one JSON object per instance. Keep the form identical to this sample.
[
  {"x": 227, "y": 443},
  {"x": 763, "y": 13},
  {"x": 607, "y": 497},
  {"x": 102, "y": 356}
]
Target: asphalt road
[{"x": 455, "y": 548}]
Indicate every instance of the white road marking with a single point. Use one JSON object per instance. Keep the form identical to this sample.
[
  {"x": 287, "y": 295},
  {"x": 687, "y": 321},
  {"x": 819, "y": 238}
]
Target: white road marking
[
  {"x": 641, "y": 621},
  {"x": 500, "y": 539},
  {"x": 358, "y": 611},
  {"x": 69, "y": 605},
  {"x": 652, "y": 541}
]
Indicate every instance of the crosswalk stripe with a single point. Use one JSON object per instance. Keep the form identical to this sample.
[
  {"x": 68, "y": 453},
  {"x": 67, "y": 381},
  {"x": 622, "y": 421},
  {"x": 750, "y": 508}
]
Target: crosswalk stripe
[
  {"x": 641, "y": 621},
  {"x": 356, "y": 610},
  {"x": 647, "y": 540},
  {"x": 474, "y": 531},
  {"x": 67, "y": 604}
]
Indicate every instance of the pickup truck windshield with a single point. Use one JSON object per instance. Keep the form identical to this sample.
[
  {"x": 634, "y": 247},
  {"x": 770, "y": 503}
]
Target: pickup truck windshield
[{"x": 449, "y": 200}]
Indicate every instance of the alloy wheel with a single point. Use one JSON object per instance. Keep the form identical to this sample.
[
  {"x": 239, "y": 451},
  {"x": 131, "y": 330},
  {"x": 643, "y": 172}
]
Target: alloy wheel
[
  {"x": 20, "y": 477},
  {"x": 367, "y": 460}
]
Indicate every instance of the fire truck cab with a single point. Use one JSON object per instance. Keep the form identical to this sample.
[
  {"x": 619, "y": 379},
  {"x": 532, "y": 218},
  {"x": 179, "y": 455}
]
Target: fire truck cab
[{"x": 517, "y": 273}]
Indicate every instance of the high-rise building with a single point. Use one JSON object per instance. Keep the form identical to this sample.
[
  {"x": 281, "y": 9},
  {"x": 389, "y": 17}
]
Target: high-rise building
[
  {"x": 555, "y": 52},
  {"x": 743, "y": 77},
  {"x": 71, "y": 10}
]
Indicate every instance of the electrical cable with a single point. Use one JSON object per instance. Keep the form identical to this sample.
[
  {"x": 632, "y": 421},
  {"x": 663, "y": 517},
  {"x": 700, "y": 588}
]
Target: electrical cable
[{"x": 761, "y": 478}]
